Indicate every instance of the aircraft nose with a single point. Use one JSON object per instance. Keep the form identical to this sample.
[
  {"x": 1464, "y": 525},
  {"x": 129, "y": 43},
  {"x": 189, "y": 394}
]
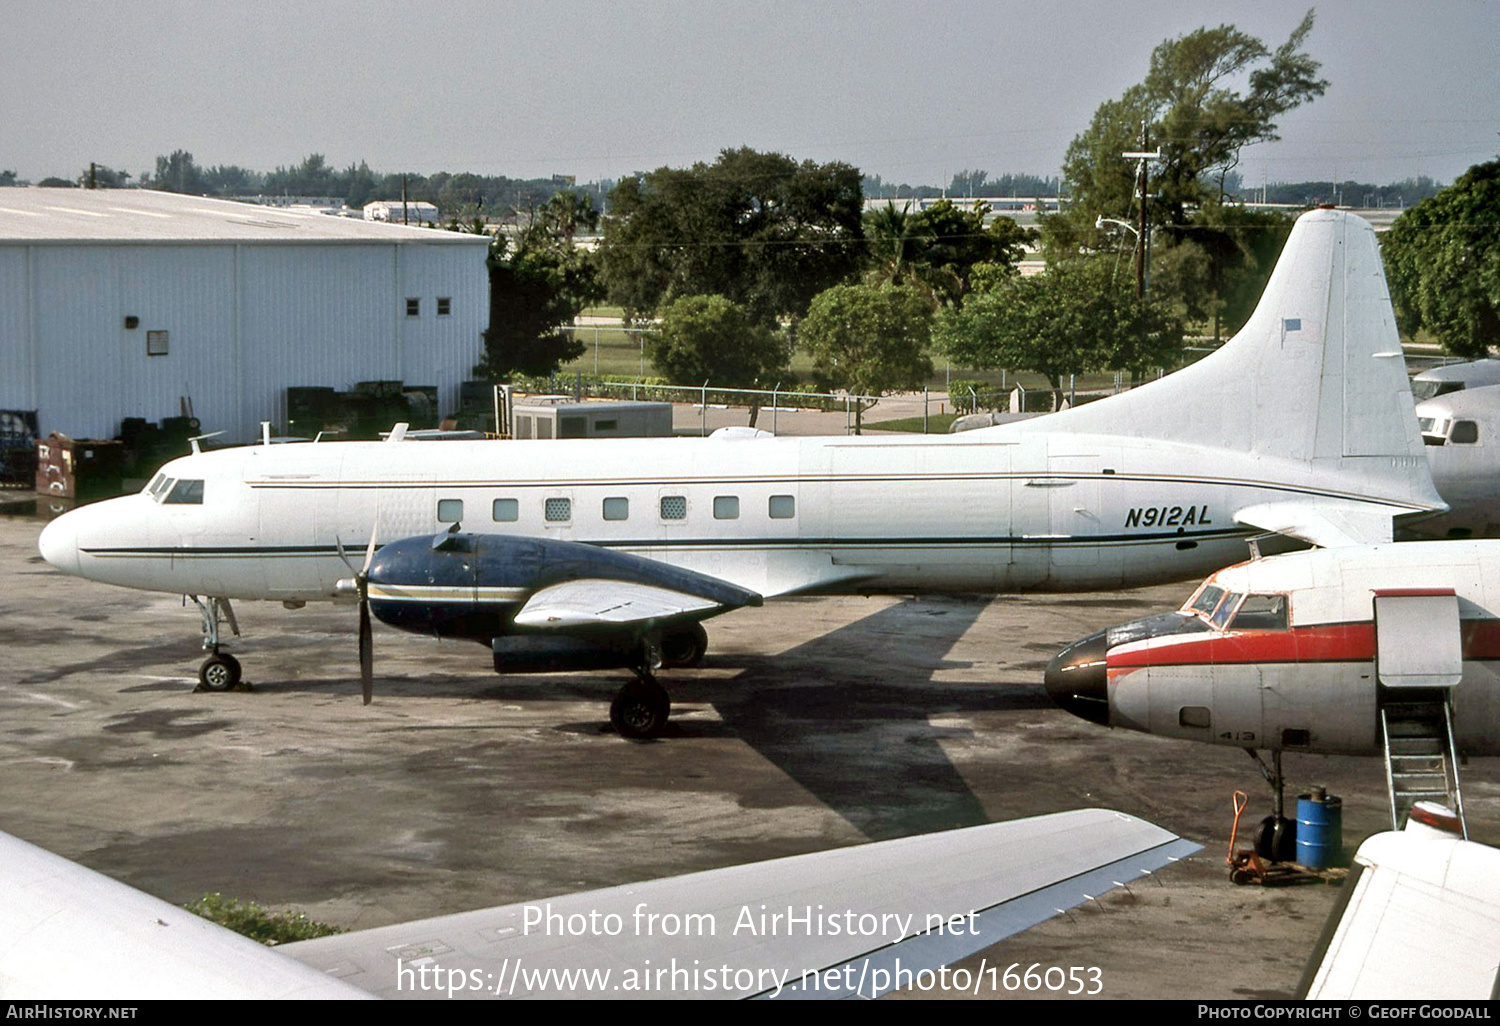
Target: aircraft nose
[
  {"x": 59, "y": 544},
  {"x": 1076, "y": 678}
]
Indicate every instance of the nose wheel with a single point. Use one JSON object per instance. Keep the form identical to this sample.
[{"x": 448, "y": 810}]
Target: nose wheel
[{"x": 219, "y": 672}]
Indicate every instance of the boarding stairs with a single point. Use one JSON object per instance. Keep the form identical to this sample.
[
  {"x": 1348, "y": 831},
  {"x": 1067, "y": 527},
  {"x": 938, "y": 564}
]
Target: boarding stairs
[{"x": 1421, "y": 760}]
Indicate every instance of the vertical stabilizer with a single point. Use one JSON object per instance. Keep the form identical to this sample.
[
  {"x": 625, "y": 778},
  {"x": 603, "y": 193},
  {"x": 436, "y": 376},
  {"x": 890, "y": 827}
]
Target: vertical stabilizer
[{"x": 1315, "y": 377}]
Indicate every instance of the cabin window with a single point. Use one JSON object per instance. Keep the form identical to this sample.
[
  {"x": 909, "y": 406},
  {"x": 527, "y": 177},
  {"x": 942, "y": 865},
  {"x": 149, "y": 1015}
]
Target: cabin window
[
  {"x": 617, "y": 508},
  {"x": 1465, "y": 432},
  {"x": 445, "y": 306},
  {"x": 782, "y": 507},
  {"x": 1196, "y": 716},
  {"x": 1261, "y": 613},
  {"x": 674, "y": 507},
  {"x": 557, "y": 511},
  {"x": 185, "y": 493},
  {"x": 726, "y": 507},
  {"x": 413, "y": 306},
  {"x": 505, "y": 511},
  {"x": 450, "y": 511}
]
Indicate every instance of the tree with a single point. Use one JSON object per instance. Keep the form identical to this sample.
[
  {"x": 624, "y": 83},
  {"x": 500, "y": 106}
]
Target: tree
[
  {"x": 868, "y": 339},
  {"x": 1196, "y": 116},
  {"x": 1079, "y": 315},
  {"x": 178, "y": 173},
  {"x": 712, "y": 339},
  {"x": 7, "y": 178},
  {"x": 98, "y": 176},
  {"x": 758, "y": 228},
  {"x": 536, "y": 291},
  {"x": 935, "y": 250},
  {"x": 1443, "y": 260}
]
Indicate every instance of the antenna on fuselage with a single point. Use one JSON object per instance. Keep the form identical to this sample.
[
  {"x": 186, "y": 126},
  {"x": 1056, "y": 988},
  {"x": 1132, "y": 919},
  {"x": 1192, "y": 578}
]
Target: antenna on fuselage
[{"x": 198, "y": 438}]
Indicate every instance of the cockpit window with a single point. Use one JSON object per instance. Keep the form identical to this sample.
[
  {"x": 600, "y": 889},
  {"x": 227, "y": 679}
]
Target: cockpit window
[
  {"x": 1207, "y": 598},
  {"x": 1261, "y": 613},
  {"x": 1226, "y": 609},
  {"x": 185, "y": 493},
  {"x": 157, "y": 486},
  {"x": 1465, "y": 432}
]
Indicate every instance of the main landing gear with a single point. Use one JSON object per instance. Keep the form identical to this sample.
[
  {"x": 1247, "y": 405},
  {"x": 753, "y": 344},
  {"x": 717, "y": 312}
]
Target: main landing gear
[
  {"x": 220, "y": 671},
  {"x": 641, "y": 708},
  {"x": 1276, "y": 839}
]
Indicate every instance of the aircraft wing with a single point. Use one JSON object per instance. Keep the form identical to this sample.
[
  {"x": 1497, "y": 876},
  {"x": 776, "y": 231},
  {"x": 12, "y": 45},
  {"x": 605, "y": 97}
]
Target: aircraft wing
[
  {"x": 840, "y": 923},
  {"x": 1419, "y": 920},
  {"x": 1326, "y": 524},
  {"x": 610, "y": 603},
  {"x": 69, "y": 933}
]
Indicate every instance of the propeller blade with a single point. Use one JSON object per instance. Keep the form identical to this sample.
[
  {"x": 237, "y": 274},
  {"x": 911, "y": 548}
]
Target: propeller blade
[
  {"x": 366, "y": 653},
  {"x": 339, "y": 543},
  {"x": 369, "y": 555}
]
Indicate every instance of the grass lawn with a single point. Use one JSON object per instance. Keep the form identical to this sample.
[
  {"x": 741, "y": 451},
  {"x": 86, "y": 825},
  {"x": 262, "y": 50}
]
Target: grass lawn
[{"x": 937, "y": 424}]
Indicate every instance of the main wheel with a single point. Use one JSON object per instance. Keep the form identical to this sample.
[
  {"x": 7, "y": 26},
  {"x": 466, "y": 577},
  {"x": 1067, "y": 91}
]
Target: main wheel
[
  {"x": 684, "y": 646},
  {"x": 640, "y": 710},
  {"x": 1277, "y": 839},
  {"x": 219, "y": 672}
]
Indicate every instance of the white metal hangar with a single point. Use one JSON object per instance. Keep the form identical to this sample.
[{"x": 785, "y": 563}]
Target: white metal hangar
[{"x": 128, "y": 303}]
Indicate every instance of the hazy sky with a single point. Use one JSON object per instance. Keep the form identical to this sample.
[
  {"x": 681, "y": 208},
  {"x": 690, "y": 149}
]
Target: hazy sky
[{"x": 911, "y": 91}]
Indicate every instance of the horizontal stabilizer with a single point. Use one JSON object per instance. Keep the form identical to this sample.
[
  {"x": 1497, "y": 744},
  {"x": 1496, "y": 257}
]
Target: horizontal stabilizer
[
  {"x": 827, "y": 924},
  {"x": 1325, "y": 524}
]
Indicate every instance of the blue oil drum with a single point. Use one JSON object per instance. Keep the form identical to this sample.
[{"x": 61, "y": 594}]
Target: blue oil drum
[{"x": 1320, "y": 828}]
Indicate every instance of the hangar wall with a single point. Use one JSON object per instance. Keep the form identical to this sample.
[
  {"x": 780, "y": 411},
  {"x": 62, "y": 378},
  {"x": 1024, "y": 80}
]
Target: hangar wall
[{"x": 244, "y": 320}]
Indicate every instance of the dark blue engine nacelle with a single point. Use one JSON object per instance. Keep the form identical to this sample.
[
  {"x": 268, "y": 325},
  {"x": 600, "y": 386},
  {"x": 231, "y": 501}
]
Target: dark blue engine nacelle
[{"x": 471, "y": 586}]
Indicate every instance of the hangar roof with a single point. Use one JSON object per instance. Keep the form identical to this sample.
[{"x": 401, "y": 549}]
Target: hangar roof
[{"x": 141, "y": 216}]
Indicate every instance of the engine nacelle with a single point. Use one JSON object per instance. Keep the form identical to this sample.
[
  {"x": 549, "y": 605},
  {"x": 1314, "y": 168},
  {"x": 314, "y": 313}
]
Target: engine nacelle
[{"x": 545, "y": 653}]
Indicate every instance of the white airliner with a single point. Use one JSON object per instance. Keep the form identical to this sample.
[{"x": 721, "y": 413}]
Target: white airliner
[
  {"x": 1462, "y": 432},
  {"x": 587, "y": 554},
  {"x": 857, "y": 921},
  {"x": 1387, "y": 650}
]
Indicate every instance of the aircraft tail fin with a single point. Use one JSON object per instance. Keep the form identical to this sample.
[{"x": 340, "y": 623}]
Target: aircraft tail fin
[{"x": 1315, "y": 377}]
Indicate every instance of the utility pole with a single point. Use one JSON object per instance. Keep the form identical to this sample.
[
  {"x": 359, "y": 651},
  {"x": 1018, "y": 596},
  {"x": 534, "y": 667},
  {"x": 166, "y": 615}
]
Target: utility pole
[{"x": 1141, "y": 253}]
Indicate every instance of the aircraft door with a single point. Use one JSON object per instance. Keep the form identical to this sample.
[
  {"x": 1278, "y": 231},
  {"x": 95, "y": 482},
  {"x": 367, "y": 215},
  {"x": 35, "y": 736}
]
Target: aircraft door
[{"x": 1418, "y": 643}]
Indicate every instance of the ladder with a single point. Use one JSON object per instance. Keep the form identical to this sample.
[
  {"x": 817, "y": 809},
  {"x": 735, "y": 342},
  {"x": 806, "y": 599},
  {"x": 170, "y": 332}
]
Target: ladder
[{"x": 1421, "y": 760}]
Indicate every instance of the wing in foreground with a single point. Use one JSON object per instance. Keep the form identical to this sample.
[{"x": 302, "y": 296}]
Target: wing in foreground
[
  {"x": 69, "y": 933},
  {"x": 840, "y": 923},
  {"x": 1419, "y": 920}
]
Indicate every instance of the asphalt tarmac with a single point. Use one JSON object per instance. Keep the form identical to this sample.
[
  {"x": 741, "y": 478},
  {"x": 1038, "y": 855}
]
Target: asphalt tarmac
[{"x": 813, "y": 723}]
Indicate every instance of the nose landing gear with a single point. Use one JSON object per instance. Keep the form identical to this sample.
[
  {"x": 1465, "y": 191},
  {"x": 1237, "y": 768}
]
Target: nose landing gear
[{"x": 220, "y": 671}]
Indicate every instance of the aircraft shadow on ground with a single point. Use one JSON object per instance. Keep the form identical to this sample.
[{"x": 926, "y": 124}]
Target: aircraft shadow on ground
[{"x": 854, "y": 715}]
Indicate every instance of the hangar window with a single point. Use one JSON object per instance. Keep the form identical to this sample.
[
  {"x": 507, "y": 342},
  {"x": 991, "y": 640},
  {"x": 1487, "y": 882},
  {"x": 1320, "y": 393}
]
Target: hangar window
[
  {"x": 1465, "y": 432},
  {"x": 782, "y": 507},
  {"x": 726, "y": 507},
  {"x": 505, "y": 511},
  {"x": 450, "y": 511},
  {"x": 186, "y": 493},
  {"x": 445, "y": 306},
  {"x": 1261, "y": 613},
  {"x": 558, "y": 511},
  {"x": 674, "y": 507},
  {"x": 413, "y": 306},
  {"x": 617, "y": 508}
]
